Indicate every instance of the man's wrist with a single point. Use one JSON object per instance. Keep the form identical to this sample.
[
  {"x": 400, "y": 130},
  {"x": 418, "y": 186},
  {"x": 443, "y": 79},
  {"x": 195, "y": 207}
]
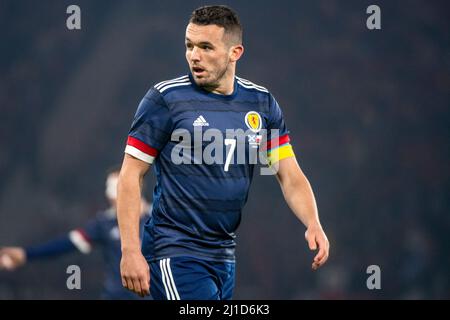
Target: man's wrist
[
  {"x": 314, "y": 225},
  {"x": 131, "y": 249}
]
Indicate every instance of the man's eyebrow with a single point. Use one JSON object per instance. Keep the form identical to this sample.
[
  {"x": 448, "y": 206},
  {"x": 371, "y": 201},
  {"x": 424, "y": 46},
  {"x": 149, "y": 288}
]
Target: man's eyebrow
[
  {"x": 201, "y": 43},
  {"x": 206, "y": 43}
]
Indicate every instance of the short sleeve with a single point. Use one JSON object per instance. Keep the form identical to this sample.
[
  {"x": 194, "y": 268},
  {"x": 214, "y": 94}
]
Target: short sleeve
[
  {"x": 278, "y": 145},
  {"x": 151, "y": 128}
]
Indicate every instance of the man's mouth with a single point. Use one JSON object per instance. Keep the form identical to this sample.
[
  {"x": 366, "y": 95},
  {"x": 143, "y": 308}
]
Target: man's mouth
[{"x": 198, "y": 71}]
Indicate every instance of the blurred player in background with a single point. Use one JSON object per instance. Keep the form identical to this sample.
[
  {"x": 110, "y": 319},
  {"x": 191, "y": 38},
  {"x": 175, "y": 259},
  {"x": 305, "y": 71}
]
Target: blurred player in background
[{"x": 102, "y": 230}]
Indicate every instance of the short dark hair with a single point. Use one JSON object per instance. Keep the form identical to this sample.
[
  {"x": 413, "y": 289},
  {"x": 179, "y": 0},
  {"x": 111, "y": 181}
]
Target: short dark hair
[{"x": 221, "y": 16}]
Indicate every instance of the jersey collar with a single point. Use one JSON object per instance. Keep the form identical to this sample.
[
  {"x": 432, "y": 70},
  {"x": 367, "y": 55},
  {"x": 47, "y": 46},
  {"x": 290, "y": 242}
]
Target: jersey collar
[{"x": 215, "y": 95}]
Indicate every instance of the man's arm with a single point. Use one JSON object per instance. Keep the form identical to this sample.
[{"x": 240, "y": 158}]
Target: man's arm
[
  {"x": 80, "y": 239},
  {"x": 13, "y": 257},
  {"x": 134, "y": 268},
  {"x": 299, "y": 196}
]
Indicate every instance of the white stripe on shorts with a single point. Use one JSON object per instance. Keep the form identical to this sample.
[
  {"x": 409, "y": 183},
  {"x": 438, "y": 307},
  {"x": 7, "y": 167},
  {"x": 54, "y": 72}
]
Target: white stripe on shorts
[
  {"x": 163, "y": 275},
  {"x": 169, "y": 283},
  {"x": 169, "y": 269}
]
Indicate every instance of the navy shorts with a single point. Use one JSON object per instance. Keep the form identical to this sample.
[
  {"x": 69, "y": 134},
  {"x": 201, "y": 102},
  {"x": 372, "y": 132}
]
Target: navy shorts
[{"x": 190, "y": 278}]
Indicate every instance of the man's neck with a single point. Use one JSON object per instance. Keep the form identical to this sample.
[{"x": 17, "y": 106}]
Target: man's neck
[{"x": 226, "y": 86}]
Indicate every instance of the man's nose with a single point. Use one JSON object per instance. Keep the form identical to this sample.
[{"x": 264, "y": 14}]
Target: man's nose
[{"x": 195, "y": 54}]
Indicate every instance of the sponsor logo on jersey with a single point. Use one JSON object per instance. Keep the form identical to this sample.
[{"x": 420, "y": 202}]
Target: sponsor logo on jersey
[{"x": 200, "y": 122}]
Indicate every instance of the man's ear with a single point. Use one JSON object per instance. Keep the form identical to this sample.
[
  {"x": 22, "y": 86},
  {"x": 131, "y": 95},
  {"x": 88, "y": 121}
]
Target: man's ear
[{"x": 236, "y": 52}]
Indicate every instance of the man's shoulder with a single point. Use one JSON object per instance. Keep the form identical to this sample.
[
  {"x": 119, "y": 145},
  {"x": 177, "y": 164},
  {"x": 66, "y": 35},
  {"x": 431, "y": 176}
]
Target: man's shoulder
[
  {"x": 251, "y": 86},
  {"x": 165, "y": 86},
  {"x": 159, "y": 92}
]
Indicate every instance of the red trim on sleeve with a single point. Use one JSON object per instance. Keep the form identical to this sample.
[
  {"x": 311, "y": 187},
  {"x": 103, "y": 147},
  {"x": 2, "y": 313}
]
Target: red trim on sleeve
[
  {"x": 84, "y": 235},
  {"x": 281, "y": 140},
  {"x": 138, "y": 144}
]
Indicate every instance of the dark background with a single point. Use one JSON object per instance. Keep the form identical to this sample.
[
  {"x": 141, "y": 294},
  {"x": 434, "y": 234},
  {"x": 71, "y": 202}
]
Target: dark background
[{"x": 368, "y": 112}]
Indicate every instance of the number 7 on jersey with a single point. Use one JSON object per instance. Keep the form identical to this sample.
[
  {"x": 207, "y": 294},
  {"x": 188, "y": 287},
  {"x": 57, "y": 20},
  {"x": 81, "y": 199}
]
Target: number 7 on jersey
[{"x": 232, "y": 143}]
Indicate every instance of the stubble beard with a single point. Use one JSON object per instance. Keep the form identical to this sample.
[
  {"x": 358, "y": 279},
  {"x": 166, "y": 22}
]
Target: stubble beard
[{"x": 215, "y": 83}]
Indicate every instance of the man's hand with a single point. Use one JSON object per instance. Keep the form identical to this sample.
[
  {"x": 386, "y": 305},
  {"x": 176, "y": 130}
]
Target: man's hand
[
  {"x": 316, "y": 238},
  {"x": 12, "y": 258},
  {"x": 135, "y": 273}
]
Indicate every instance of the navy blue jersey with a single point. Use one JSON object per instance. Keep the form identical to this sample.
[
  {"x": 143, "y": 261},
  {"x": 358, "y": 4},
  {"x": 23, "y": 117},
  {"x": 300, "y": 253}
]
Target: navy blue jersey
[
  {"x": 103, "y": 231},
  {"x": 197, "y": 205}
]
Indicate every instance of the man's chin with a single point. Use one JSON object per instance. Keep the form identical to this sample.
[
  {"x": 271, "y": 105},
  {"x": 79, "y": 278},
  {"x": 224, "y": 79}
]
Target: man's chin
[
  {"x": 202, "y": 81},
  {"x": 205, "y": 83}
]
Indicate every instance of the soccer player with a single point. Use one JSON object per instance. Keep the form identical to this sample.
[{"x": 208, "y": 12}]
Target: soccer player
[
  {"x": 188, "y": 246},
  {"x": 101, "y": 230}
]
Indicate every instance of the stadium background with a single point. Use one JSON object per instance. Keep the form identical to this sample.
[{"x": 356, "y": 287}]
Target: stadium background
[{"x": 368, "y": 113}]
